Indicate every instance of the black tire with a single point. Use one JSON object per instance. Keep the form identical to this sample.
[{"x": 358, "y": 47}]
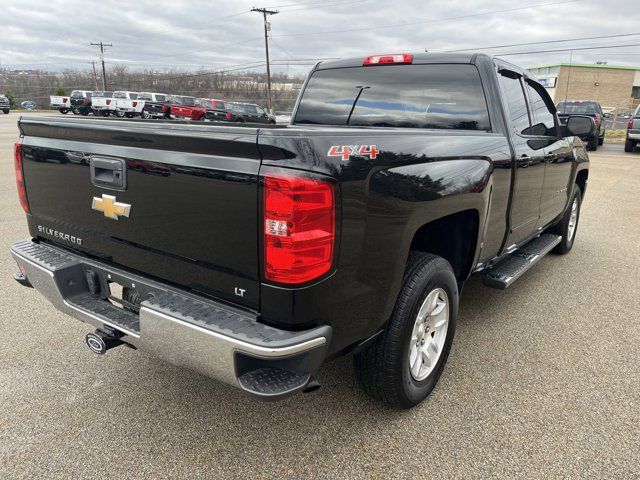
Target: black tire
[
  {"x": 75, "y": 111},
  {"x": 96, "y": 113},
  {"x": 6, "y": 111},
  {"x": 64, "y": 111},
  {"x": 562, "y": 228},
  {"x": 383, "y": 367},
  {"x": 119, "y": 114},
  {"x": 129, "y": 114},
  {"x": 601, "y": 140},
  {"x": 144, "y": 114},
  {"x": 629, "y": 145},
  {"x": 592, "y": 144},
  {"x": 84, "y": 113}
]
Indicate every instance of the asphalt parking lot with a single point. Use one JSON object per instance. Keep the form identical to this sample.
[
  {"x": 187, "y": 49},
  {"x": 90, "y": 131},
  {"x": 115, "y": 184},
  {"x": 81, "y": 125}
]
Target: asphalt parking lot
[{"x": 543, "y": 380}]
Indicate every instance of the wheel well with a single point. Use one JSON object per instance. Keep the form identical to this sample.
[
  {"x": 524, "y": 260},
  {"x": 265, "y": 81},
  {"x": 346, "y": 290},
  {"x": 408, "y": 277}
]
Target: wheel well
[
  {"x": 581, "y": 180},
  {"x": 453, "y": 238}
]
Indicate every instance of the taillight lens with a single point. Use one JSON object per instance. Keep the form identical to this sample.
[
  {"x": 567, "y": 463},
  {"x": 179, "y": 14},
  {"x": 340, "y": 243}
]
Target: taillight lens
[
  {"x": 596, "y": 120},
  {"x": 299, "y": 228},
  {"x": 85, "y": 101},
  {"x": 630, "y": 124},
  {"x": 227, "y": 116},
  {"x": 134, "y": 104},
  {"x": 65, "y": 100},
  {"x": 17, "y": 162},
  {"x": 108, "y": 101},
  {"x": 164, "y": 108}
]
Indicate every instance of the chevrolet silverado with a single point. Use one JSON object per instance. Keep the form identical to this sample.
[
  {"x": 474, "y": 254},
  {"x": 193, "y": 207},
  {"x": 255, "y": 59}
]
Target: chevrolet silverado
[{"x": 254, "y": 253}]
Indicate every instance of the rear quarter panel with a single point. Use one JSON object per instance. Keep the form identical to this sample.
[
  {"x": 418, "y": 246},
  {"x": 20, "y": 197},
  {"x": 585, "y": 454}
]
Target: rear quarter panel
[{"x": 416, "y": 177}]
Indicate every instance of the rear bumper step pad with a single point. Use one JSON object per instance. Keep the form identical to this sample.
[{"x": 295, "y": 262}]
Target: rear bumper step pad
[{"x": 213, "y": 338}]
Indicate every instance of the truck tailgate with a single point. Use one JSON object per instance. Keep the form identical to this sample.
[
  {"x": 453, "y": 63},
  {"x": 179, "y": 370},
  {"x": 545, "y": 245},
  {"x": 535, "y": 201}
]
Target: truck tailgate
[{"x": 192, "y": 192}]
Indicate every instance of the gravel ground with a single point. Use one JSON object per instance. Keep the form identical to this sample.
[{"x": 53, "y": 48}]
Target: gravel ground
[{"x": 543, "y": 380}]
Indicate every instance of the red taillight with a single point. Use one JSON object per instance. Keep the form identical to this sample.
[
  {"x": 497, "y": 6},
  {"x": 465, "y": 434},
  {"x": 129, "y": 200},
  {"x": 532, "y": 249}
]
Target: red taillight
[
  {"x": 164, "y": 108},
  {"x": 108, "y": 101},
  {"x": 299, "y": 228},
  {"x": 17, "y": 162},
  {"x": 389, "y": 59},
  {"x": 65, "y": 100},
  {"x": 630, "y": 124},
  {"x": 85, "y": 101},
  {"x": 227, "y": 116},
  {"x": 596, "y": 120},
  {"x": 133, "y": 104}
]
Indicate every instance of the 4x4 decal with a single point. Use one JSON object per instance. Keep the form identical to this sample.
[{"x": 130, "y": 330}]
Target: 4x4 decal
[{"x": 345, "y": 151}]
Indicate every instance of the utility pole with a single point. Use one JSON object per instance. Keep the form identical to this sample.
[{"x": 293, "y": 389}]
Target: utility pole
[
  {"x": 264, "y": 13},
  {"x": 104, "y": 72},
  {"x": 95, "y": 75}
]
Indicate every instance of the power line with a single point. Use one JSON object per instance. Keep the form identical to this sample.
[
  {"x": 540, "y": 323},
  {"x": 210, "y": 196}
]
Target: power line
[
  {"x": 568, "y": 49},
  {"x": 541, "y": 43},
  {"x": 421, "y": 22}
]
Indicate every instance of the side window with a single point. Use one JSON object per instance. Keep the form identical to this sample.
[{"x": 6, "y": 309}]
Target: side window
[
  {"x": 543, "y": 119},
  {"x": 517, "y": 104},
  {"x": 134, "y": 96}
]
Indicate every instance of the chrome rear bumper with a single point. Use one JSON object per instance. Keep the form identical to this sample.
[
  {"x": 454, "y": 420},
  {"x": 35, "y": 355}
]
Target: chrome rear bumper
[{"x": 213, "y": 338}]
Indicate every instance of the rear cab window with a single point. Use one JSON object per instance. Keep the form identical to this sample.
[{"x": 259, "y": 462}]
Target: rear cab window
[
  {"x": 428, "y": 96},
  {"x": 577, "y": 108}
]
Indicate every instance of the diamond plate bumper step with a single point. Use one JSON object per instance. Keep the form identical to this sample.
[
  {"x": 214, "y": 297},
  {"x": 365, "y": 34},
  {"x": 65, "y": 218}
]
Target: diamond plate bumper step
[{"x": 513, "y": 266}]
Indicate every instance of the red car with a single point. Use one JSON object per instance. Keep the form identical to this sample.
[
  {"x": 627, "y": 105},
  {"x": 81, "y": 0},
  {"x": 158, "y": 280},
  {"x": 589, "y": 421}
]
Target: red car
[{"x": 191, "y": 108}]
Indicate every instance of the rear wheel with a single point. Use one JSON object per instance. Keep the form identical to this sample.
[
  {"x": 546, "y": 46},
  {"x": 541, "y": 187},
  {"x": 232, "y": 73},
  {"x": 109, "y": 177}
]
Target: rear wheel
[
  {"x": 130, "y": 114},
  {"x": 403, "y": 364},
  {"x": 64, "y": 111},
  {"x": 119, "y": 114},
  {"x": 629, "y": 145},
  {"x": 592, "y": 144},
  {"x": 144, "y": 114},
  {"x": 6, "y": 111},
  {"x": 75, "y": 111},
  {"x": 84, "y": 113},
  {"x": 568, "y": 226}
]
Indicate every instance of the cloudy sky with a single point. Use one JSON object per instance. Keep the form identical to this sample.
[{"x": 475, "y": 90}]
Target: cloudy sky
[{"x": 224, "y": 34}]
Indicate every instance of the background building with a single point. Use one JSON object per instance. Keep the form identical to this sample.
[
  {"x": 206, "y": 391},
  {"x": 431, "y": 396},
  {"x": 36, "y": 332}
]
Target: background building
[{"x": 617, "y": 88}]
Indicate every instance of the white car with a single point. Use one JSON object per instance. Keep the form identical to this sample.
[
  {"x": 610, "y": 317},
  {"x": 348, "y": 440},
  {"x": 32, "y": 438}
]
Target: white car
[
  {"x": 102, "y": 103},
  {"x": 136, "y": 107},
  {"x": 120, "y": 97},
  {"x": 60, "y": 103}
]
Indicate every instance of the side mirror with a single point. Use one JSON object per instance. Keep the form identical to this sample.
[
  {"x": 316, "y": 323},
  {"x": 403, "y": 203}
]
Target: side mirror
[
  {"x": 580, "y": 126},
  {"x": 607, "y": 115}
]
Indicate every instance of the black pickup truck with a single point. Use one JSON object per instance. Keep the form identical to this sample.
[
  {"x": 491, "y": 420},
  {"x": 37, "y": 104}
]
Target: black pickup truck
[{"x": 253, "y": 254}]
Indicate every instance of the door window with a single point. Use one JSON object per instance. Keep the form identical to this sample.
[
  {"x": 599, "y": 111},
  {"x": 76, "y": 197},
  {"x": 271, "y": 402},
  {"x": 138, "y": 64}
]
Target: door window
[
  {"x": 544, "y": 123},
  {"x": 517, "y": 104}
]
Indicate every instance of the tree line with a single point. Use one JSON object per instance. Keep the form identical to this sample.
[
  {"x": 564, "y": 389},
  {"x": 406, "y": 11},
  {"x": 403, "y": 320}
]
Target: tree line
[{"x": 241, "y": 86}]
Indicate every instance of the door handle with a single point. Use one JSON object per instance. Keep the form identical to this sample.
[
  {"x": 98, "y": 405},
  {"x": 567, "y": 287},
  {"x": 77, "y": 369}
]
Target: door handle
[
  {"x": 108, "y": 172},
  {"x": 549, "y": 157}
]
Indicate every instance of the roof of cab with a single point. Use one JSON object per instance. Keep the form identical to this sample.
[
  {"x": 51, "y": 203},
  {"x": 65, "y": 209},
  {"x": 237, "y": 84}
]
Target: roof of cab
[{"x": 418, "y": 58}]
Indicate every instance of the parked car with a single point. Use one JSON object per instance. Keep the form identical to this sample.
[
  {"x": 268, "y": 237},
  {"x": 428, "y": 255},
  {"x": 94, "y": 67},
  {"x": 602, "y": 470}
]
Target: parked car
[
  {"x": 80, "y": 101},
  {"x": 60, "y": 103},
  {"x": 160, "y": 108},
  {"x": 250, "y": 112},
  {"x": 197, "y": 111},
  {"x": 120, "y": 96},
  {"x": 5, "y": 105},
  {"x": 184, "y": 107},
  {"x": 237, "y": 112},
  {"x": 633, "y": 132},
  {"x": 260, "y": 252},
  {"x": 102, "y": 103},
  {"x": 585, "y": 107},
  {"x": 137, "y": 107}
]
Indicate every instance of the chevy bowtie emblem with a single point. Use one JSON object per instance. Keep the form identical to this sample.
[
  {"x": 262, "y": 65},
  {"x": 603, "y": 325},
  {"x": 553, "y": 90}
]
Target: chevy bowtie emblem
[{"x": 111, "y": 209}]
